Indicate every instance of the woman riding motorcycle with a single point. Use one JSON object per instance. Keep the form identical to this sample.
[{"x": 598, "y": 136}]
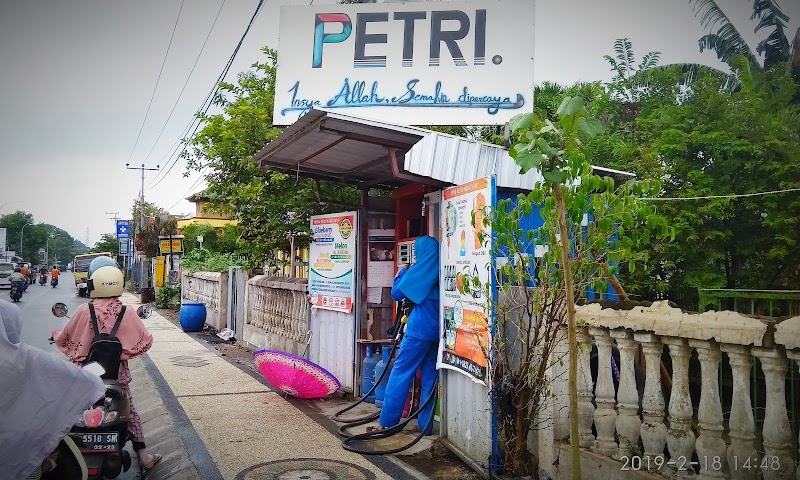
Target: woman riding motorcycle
[
  {"x": 105, "y": 285},
  {"x": 41, "y": 397}
]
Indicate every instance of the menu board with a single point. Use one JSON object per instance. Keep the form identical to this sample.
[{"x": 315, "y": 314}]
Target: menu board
[
  {"x": 465, "y": 316},
  {"x": 332, "y": 260}
]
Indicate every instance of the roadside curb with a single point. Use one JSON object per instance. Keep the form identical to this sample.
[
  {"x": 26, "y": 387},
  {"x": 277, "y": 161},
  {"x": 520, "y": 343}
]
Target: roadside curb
[{"x": 161, "y": 435}]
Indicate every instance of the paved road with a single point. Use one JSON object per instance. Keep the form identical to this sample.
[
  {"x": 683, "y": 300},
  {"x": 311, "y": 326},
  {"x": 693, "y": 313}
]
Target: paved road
[{"x": 38, "y": 322}]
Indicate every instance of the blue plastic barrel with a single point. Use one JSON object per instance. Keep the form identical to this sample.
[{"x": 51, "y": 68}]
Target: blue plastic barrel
[
  {"x": 380, "y": 392},
  {"x": 192, "y": 316},
  {"x": 368, "y": 372}
]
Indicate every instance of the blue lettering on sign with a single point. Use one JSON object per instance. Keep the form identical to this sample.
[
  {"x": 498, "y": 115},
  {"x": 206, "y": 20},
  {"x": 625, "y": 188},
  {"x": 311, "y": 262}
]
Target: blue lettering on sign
[{"x": 358, "y": 94}]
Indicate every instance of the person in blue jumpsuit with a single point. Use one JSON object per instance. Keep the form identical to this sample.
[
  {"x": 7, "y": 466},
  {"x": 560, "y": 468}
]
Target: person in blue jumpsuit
[{"x": 420, "y": 284}]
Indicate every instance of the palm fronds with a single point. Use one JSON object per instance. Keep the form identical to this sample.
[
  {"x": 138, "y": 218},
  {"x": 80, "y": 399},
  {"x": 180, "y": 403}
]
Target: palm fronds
[
  {"x": 727, "y": 42},
  {"x": 775, "y": 47}
]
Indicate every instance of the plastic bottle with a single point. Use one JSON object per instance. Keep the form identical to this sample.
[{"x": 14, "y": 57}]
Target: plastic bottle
[
  {"x": 379, "y": 368},
  {"x": 368, "y": 371}
]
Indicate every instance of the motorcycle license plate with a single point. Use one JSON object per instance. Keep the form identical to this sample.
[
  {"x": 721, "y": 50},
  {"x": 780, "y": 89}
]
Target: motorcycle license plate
[{"x": 99, "y": 442}]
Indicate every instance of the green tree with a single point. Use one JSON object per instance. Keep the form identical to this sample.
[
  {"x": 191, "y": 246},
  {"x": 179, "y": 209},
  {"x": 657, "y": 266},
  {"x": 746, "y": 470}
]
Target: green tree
[
  {"x": 706, "y": 141},
  {"x": 157, "y": 222},
  {"x": 269, "y": 206},
  {"x": 34, "y": 238},
  {"x": 727, "y": 42},
  {"x": 108, "y": 243}
]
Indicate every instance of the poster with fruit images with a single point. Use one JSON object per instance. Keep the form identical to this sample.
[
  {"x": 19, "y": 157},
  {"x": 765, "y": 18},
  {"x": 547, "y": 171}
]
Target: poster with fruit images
[
  {"x": 332, "y": 261},
  {"x": 465, "y": 310}
]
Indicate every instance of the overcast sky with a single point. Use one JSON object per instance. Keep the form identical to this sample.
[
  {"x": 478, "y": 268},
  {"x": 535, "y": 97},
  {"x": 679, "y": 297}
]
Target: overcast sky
[{"x": 77, "y": 77}]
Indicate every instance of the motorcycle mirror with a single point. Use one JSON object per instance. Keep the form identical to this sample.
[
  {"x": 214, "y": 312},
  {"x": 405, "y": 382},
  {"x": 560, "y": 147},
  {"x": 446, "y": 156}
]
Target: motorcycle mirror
[
  {"x": 145, "y": 311},
  {"x": 60, "y": 309}
]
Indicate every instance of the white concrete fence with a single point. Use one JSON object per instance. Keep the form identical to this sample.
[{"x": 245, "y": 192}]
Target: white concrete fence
[
  {"x": 275, "y": 308},
  {"x": 676, "y": 437},
  {"x": 276, "y": 313},
  {"x": 210, "y": 288}
]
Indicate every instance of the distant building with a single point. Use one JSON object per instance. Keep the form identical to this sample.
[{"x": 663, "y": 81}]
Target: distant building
[{"x": 202, "y": 215}]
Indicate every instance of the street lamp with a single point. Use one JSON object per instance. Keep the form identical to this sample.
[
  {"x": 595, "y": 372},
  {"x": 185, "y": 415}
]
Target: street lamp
[
  {"x": 47, "y": 247},
  {"x": 21, "y": 232}
]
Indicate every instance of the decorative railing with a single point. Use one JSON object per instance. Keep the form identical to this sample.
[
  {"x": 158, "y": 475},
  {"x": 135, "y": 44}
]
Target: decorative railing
[
  {"x": 696, "y": 394},
  {"x": 278, "y": 306}
]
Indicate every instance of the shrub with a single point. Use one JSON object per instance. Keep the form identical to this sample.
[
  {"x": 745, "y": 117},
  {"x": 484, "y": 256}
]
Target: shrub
[
  {"x": 168, "y": 295},
  {"x": 203, "y": 260}
]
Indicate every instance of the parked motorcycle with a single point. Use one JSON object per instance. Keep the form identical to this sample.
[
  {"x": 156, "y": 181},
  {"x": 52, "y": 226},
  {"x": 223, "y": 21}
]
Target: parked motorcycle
[
  {"x": 102, "y": 430},
  {"x": 54, "y": 282},
  {"x": 42, "y": 279}
]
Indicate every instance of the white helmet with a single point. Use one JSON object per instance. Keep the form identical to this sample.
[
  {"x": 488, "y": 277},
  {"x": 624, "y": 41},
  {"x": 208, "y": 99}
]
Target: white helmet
[{"x": 106, "y": 282}]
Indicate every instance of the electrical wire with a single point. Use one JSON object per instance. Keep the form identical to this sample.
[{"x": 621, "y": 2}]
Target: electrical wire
[
  {"x": 201, "y": 177},
  {"x": 186, "y": 82},
  {"x": 209, "y": 98},
  {"x": 158, "y": 80},
  {"x": 711, "y": 197}
]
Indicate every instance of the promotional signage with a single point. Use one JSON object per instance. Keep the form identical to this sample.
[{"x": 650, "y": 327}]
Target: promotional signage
[
  {"x": 465, "y": 316},
  {"x": 124, "y": 245},
  {"x": 123, "y": 229},
  {"x": 3, "y": 233},
  {"x": 332, "y": 261},
  {"x": 164, "y": 244},
  {"x": 417, "y": 63}
]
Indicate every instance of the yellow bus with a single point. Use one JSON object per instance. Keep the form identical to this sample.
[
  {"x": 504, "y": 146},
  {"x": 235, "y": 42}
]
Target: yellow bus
[{"x": 80, "y": 269}]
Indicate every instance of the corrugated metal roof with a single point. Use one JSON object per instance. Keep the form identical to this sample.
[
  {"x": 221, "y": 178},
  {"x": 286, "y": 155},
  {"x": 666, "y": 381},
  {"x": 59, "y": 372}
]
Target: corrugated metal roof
[
  {"x": 333, "y": 146},
  {"x": 459, "y": 160}
]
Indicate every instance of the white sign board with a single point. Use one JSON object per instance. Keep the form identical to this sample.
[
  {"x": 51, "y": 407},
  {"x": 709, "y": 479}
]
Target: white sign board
[
  {"x": 465, "y": 313},
  {"x": 332, "y": 258},
  {"x": 3, "y": 233},
  {"x": 416, "y": 63}
]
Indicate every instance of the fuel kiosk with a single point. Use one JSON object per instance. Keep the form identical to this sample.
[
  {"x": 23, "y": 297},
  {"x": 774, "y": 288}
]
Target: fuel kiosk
[{"x": 436, "y": 182}]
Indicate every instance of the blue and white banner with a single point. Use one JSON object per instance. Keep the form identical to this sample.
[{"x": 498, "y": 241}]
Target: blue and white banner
[{"x": 123, "y": 228}]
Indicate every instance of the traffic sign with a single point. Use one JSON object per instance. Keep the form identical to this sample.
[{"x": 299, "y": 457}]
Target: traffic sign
[{"x": 123, "y": 228}]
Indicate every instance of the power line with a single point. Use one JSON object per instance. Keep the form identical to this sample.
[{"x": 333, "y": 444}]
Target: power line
[
  {"x": 209, "y": 98},
  {"x": 158, "y": 80},
  {"x": 201, "y": 177},
  {"x": 187, "y": 81},
  {"x": 710, "y": 197}
]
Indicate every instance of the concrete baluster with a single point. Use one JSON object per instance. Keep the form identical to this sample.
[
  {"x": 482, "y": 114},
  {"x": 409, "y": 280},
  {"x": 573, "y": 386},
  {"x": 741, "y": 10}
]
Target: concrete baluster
[
  {"x": 777, "y": 462},
  {"x": 795, "y": 355},
  {"x": 628, "y": 423},
  {"x": 605, "y": 416},
  {"x": 680, "y": 437},
  {"x": 585, "y": 407},
  {"x": 742, "y": 456},
  {"x": 711, "y": 448},
  {"x": 653, "y": 430}
]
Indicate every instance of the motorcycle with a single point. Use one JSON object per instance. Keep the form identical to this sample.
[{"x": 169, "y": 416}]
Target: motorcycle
[
  {"x": 102, "y": 431},
  {"x": 17, "y": 287},
  {"x": 54, "y": 282},
  {"x": 66, "y": 462},
  {"x": 42, "y": 279}
]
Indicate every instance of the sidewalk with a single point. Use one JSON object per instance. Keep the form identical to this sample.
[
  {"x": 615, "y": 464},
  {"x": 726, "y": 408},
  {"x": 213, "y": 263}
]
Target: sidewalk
[{"x": 231, "y": 425}]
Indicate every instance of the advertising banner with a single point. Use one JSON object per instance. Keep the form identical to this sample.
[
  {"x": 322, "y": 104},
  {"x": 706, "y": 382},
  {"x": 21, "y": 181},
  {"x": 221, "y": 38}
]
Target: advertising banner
[
  {"x": 415, "y": 63},
  {"x": 3, "y": 233},
  {"x": 465, "y": 316},
  {"x": 123, "y": 228},
  {"x": 332, "y": 261},
  {"x": 176, "y": 244}
]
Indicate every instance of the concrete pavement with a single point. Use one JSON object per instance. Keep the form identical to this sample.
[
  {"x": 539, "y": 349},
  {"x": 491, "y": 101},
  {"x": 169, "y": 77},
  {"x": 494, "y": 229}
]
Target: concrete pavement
[{"x": 227, "y": 424}]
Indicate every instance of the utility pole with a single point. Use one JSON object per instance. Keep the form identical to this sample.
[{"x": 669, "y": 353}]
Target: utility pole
[
  {"x": 115, "y": 217},
  {"x": 142, "y": 169}
]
